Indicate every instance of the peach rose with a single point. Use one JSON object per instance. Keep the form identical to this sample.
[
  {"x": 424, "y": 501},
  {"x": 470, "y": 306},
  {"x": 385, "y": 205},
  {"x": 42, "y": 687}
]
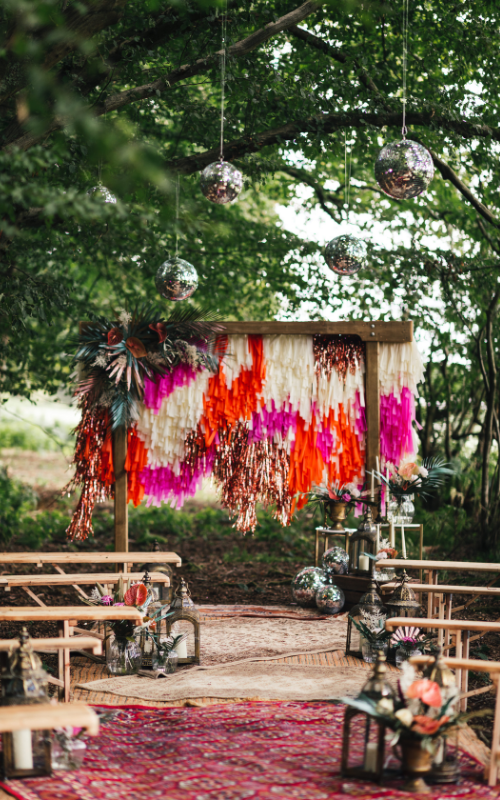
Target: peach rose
[
  {"x": 427, "y": 691},
  {"x": 408, "y": 470},
  {"x": 427, "y": 726}
]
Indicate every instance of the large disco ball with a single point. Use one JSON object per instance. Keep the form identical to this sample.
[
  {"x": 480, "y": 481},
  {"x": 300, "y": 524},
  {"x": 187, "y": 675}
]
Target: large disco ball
[
  {"x": 404, "y": 169},
  {"x": 335, "y": 562},
  {"x": 102, "y": 194},
  {"x": 306, "y": 584},
  {"x": 221, "y": 182},
  {"x": 176, "y": 279},
  {"x": 345, "y": 255},
  {"x": 330, "y": 599}
]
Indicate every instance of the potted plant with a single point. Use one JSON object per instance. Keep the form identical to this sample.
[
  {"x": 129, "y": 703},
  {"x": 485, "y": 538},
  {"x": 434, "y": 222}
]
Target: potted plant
[
  {"x": 408, "y": 642},
  {"x": 419, "y": 714},
  {"x": 374, "y": 637},
  {"x": 165, "y": 657}
]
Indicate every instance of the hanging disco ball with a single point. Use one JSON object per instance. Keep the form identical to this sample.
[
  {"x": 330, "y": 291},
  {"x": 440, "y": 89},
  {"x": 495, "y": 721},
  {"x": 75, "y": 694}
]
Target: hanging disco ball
[
  {"x": 305, "y": 585},
  {"x": 102, "y": 194},
  {"x": 404, "y": 169},
  {"x": 330, "y": 599},
  {"x": 335, "y": 562},
  {"x": 345, "y": 255},
  {"x": 176, "y": 279},
  {"x": 221, "y": 182}
]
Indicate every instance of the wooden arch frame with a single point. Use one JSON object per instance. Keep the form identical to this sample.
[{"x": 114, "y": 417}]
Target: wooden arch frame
[{"x": 372, "y": 333}]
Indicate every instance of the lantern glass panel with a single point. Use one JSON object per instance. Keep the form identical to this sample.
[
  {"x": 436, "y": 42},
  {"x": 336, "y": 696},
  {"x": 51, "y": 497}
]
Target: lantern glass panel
[
  {"x": 363, "y": 746},
  {"x": 26, "y": 754}
]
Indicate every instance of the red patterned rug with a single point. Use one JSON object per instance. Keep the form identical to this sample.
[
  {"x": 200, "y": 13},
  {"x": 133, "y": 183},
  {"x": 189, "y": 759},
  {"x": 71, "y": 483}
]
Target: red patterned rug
[{"x": 225, "y": 752}]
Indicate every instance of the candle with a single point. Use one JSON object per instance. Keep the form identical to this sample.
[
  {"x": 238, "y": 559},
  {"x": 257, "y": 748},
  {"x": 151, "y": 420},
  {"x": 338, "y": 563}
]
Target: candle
[
  {"x": 371, "y": 757},
  {"x": 377, "y": 462},
  {"x": 392, "y": 533},
  {"x": 364, "y": 563},
  {"x": 372, "y": 486},
  {"x": 22, "y": 749},
  {"x": 181, "y": 649},
  {"x": 403, "y": 543}
]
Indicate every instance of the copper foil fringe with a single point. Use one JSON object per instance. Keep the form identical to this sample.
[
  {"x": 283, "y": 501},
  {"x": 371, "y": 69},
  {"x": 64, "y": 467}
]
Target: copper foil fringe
[
  {"x": 91, "y": 434},
  {"x": 338, "y": 352}
]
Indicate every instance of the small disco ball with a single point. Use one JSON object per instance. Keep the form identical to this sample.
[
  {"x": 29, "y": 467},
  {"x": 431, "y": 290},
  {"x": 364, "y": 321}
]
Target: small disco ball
[
  {"x": 306, "y": 584},
  {"x": 176, "y": 279},
  {"x": 221, "y": 182},
  {"x": 335, "y": 562},
  {"x": 345, "y": 255},
  {"x": 330, "y": 599},
  {"x": 404, "y": 169},
  {"x": 102, "y": 194}
]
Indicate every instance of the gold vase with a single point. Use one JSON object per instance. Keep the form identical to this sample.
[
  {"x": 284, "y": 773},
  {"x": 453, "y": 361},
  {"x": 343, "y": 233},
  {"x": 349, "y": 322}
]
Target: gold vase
[
  {"x": 337, "y": 513},
  {"x": 417, "y": 762}
]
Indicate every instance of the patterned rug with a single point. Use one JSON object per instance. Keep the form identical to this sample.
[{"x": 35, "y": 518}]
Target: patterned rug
[{"x": 229, "y": 752}]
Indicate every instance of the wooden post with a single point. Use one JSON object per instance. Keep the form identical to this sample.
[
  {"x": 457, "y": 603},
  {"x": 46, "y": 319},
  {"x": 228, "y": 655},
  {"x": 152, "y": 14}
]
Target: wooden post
[
  {"x": 372, "y": 401},
  {"x": 121, "y": 511}
]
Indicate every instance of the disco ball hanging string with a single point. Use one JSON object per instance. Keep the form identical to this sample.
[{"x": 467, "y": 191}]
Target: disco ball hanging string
[
  {"x": 345, "y": 255},
  {"x": 220, "y": 182},
  {"x": 404, "y": 169},
  {"x": 176, "y": 279}
]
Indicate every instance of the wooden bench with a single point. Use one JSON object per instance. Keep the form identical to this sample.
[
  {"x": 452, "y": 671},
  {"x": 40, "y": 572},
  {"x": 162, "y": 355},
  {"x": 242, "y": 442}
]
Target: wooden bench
[
  {"x": 46, "y": 716},
  {"x": 121, "y": 562},
  {"x": 76, "y": 580},
  {"x": 433, "y": 568},
  {"x": 67, "y": 618},
  {"x": 462, "y": 628},
  {"x": 493, "y": 669}
]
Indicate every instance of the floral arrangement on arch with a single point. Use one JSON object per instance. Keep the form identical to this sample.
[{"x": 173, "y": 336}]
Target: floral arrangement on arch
[
  {"x": 116, "y": 356},
  {"x": 410, "y": 478},
  {"x": 420, "y": 709}
]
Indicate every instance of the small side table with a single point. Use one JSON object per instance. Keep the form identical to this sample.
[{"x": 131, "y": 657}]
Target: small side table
[{"x": 329, "y": 533}]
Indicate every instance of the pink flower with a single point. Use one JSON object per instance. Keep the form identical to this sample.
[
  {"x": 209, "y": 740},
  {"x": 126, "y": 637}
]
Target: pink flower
[
  {"x": 107, "y": 600},
  {"x": 346, "y": 497},
  {"x": 119, "y": 604},
  {"x": 408, "y": 470}
]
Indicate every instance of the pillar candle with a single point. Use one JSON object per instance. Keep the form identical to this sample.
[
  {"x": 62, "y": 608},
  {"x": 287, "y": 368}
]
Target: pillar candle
[
  {"x": 22, "y": 749},
  {"x": 364, "y": 563},
  {"x": 403, "y": 543},
  {"x": 372, "y": 486},
  {"x": 371, "y": 757},
  {"x": 181, "y": 649}
]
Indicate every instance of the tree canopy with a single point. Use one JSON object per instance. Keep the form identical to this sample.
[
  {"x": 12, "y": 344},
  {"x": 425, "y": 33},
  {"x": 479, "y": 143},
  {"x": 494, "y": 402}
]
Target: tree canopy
[{"x": 128, "y": 92}]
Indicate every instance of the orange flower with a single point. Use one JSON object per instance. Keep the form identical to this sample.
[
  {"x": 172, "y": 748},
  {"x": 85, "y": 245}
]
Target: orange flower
[
  {"x": 115, "y": 336},
  {"x": 427, "y": 691},
  {"x": 136, "y": 347},
  {"x": 427, "y": 726},
  {"x": 161, "y": 330},
  {"x": 408, "y": 470},
  {"x": 136, "y": 595}
]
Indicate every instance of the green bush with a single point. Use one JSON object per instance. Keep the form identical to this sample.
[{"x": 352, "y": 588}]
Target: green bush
[
  {"x": 16, "y": 500},
  {"x": 24, "y": 436}
]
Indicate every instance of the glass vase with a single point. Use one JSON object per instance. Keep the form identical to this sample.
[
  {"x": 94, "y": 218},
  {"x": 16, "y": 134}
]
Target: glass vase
[
  {"x": 401, "y": 511},
  {"x": 123, "y": 656},
  {"x": 404, "y": 653},
  {"x": 164, "y": 661},
  {"x": 369, "y": 651},
  {"x": 67, "y": 752}
]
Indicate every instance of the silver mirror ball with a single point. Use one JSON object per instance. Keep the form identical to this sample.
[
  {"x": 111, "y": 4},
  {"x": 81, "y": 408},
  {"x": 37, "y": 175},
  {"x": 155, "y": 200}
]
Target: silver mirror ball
[
  {"x": 305, "y": 585},
  {"x": 176, "y": 279},
  {"x": 345, "y": 255},
  {"x": 404, "y": 169},
  {"x": 330, "y": 599},
  {"x": 335, "y": 562},
  {"x": 221, "y": 182}
]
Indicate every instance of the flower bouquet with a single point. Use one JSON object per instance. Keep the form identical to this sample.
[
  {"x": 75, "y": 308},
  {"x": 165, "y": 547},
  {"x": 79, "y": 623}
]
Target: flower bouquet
[
  {"x": 409, "y": 478},
  {"x": 409, "y": 641},
  {"x": 419, "y": 714},
  {"x": 374, "y": 637},
  {"x": 336, "y": 501}
]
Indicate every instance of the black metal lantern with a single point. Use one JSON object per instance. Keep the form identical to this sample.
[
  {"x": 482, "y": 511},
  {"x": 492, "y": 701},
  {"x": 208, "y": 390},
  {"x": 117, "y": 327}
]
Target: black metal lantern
[
  {"x": 363, "y": 737},
  {"x": 370, "y": 604},
  {"x": 362, "y": 543},
  {"x": 184, "y": 609},
  {"x": 402, "y": 602},
  {"x": 26, "y": 753}
]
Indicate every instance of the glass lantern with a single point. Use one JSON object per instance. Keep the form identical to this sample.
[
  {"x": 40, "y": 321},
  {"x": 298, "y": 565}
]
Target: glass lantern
[
  {"x": 446, "y": 763},
  {"x": 162, "y": 594},
  {"x": 363, "y": 737},
  {"x": 370, "y": 604},
  {"x": 26, "y": 753},
  {"x": 183, "y": 609},
  {"x": 403, "y": 602},
  {"x": 362, "y": 543}
]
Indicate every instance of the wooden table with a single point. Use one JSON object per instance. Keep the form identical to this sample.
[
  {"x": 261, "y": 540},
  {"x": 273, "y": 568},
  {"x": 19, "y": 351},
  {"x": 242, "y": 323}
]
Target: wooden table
[{"x": 67, "y": 617}]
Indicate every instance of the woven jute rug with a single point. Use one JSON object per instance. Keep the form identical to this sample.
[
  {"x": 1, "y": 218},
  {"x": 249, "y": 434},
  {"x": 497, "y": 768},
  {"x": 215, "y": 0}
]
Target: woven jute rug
[
  {"x": 242, "y": 639},
  {"x": 249, "y": 680}
]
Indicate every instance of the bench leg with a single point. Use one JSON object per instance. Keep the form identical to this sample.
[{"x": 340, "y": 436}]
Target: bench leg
[
  {"x": 441, "y": 617},
  {"x": 465, "y": 674},
  {"x": 495, "y": 742},
  {"x": 430, "y": 597},
  {"x": 64, "y": 664}
]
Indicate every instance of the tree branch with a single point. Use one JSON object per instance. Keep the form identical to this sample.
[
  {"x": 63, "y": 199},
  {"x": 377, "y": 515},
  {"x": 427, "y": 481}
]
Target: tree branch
[
  {"x": 448, "y": 174},
  {"x": 323, "y": 196},
  {"x": 121, "y": 99}
]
